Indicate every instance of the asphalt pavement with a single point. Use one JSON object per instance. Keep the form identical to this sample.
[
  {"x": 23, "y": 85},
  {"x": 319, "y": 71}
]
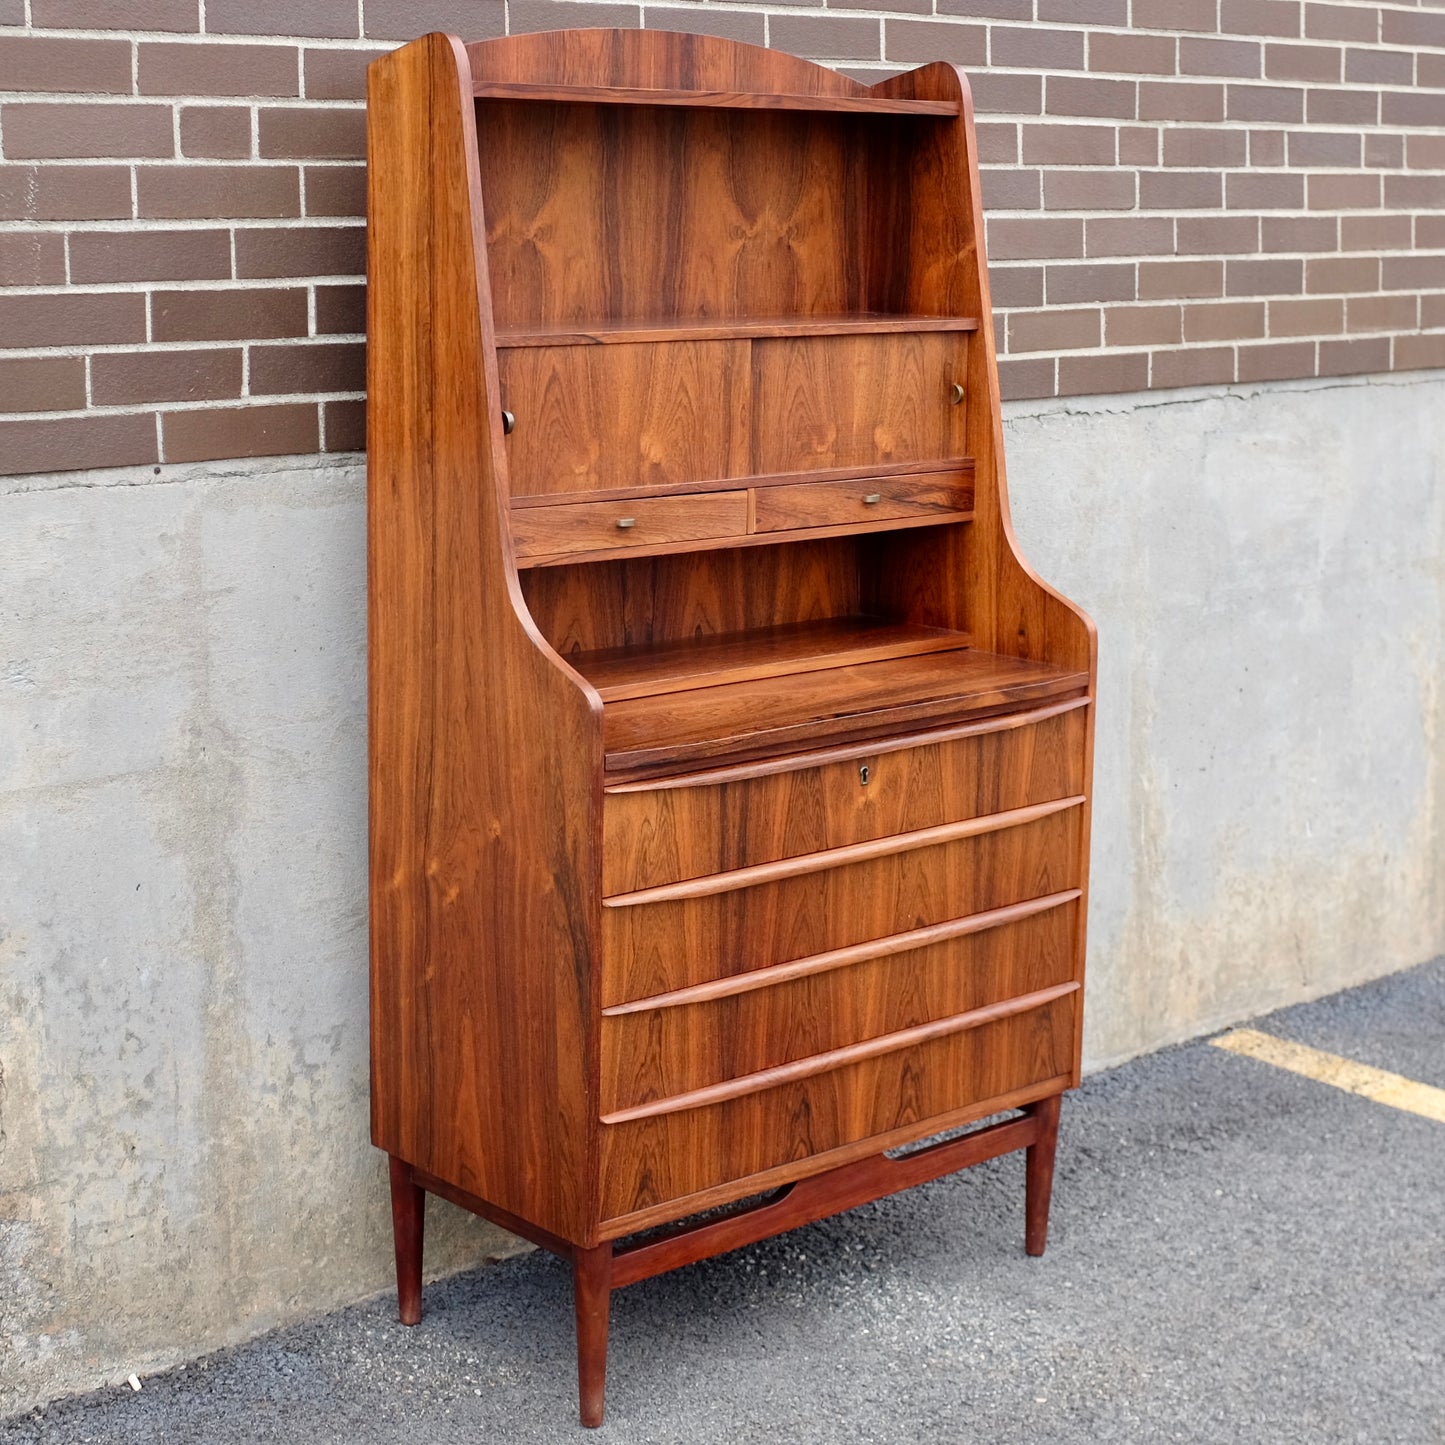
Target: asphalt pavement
[{"x": 1237, "y": 1254}]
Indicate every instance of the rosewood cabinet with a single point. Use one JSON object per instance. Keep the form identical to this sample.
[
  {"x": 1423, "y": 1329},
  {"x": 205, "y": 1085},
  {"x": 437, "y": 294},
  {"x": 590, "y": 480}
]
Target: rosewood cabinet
[{"x": 730, "y": 769}]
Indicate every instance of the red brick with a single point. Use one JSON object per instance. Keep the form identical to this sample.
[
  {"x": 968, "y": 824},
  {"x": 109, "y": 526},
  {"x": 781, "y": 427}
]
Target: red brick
[
  {"x": 471, "y": 19},
  {"x": 1266, "y": 102},
  {"x": 1343, "y": 107},
  {"x": 1277, "y": 362},
  {"x": 1266, "y": 147},
  {"x": 249, "y": 431},
  {"x": 1337, "y": 21},
  {"x": 308, "y": 366},
  {"x": 1413, "y": 273},
  {"x": 990, "y": 9},
  {"x": 1398, "y": 27},
  {"x": 1224, "y": 321},
  {"x": 64, "y": 193},
  {"x": 1129, "y": 236},
  {"x": 1220, "y": 57},
  {"x": 67, "y": 444},
  {"x": 1306, "y": 318},
  {"x": 219, "y": 131},
  {"x": 74, "y": 318},
  {"x": 1071, "y": 285},
  {"x": 1424, "y": 109},
  {"x": 1375, "y": 233},
  {"x": 1355, "y": 358},
  {"x": 232, "y": 314},
  {"x": 1069, "y": 145},
  {"x": 1083, "y": 12},
  {"x": 1302, "y": 62},
  {"x": 1429, "y": 232},
  {"x": 1379, "y": 67},
  {"x": 1197, "y": 366},
  {"x": 1260, "y": 17},
  {"x": 1138, "y": 146},
  {"x": 1419, "y": 353},
  {"x": 1017, "y": 285},
  {"x": 1432, "y": 312},
  {"x": 819, "y": 37},
  {"x": 337, "y": 74},
  {"x": 1184, "y": 280},
  {"x": 341, "y": 310},
  {"x": 1385, "y": 151},
  {"x": 205, "y": 192},
  {"x": 1103, "y": 375},
  {"x": 335, "y": 190},
  {"x": 1080, "y": 95},
  {"x": 57, "y": 63},
  {"x": 307, "y": 132},
  {"x": 42, "y": 383},
  {"x": 1089, "y": 190},
  {"x": 1026, "y": 379},
  {"x": 1217, "y": 235},
  {"x": 345, "y": 424},
  {"x": 1264, "y": 191},
  {"x": 1324, "y": 148},
  {"x": 1180, "y": 190},
  {"x": 127, "y": 15},
  {"x": 915, "y": 42},
  {"x": 216, "y": 69},
  {"x": 1176, "y": 14},
  {"x": 1348, "y": 274},
  {"x": 1175, "y": 100},
  {"x": 1264, "y": 276},
  {"x": 331, "y": 19},
  {"x": 1343, "y": 193},
  {"x": 150, "y": 255},
  {"x": 1143, "y": 326},
  {"x": 1132, "y": 54},
  {"x": 127, "y": 378},
  {"x": 77, "y": 129},
  {"x": 32, "y": 258},
  {"x": 1201, "y": 147},
  {"x": 1010, "y": 190},
  {"x": 1430, "y": 71},
  {"x": 1300, "y": 233},
  {"x": 300, "y": 251},
  {"x": 1034, "y": 238},
  {"x": 1382, "y": 313}
]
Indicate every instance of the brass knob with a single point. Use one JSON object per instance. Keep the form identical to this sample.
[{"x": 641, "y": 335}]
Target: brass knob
[
  {"x": 872, "y": 499},
  {"x": 509, "y": 423},
  {"x": 955, "y": 393},
  {"x": 623, "y": 523}
]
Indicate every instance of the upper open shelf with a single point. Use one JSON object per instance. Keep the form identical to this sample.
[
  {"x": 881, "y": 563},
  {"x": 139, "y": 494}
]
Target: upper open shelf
[
  {"x": 708, "y": 99},
  {"x": 854, "y": 323}
]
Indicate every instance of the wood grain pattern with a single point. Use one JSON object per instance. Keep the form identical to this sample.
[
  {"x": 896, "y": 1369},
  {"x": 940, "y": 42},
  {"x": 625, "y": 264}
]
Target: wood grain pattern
[
  {"x": 707, "y": 99},
  {"x": 617, "y": 526},
  {"x": 867, "y": 500},
  {"x": 625, "y": 333}
]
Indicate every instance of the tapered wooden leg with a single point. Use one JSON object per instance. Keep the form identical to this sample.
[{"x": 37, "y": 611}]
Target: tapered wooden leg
[
  {"x": 592, "y": 1291},
  {"x": 408, "y": 1219},
  {"x": 1039, "y": 1175}
]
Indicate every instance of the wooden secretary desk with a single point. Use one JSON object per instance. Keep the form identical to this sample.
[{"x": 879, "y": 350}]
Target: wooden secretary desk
[{"x": 729, "y": 768}]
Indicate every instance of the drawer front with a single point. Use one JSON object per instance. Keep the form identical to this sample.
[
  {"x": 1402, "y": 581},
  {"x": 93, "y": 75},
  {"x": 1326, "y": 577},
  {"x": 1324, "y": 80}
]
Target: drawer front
[
  {"x": 660, "y": 835},
  {"x": 663, "y": 1052},
  {"x": 857, "y": 401},
  {"x": 656, "y": 947},
  {"x": 912, "y": 1092},
  {"x": 645, "y": 522},
  {"x": 646, "y": 415},
  {"x": 833, "y": 504}
]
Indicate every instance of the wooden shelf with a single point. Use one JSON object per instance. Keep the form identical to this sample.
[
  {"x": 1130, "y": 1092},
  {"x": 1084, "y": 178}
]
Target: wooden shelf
[
  {"x": 709, "y": 99},
  {"x": 650, "y": 670},
  {"x": 602, "y": 333},
  {"x": 650, "y": 734}
]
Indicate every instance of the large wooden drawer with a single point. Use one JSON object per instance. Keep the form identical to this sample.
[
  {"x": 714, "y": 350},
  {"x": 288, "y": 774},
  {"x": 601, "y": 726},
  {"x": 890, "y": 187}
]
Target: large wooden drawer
[
  {"x": 711, "y": 928},
  {"x": 729, "y": 1030},
  {"x": 641, "y": 522},
  {"x": 655, "y": 833},
  {"x": 793, "y": 1127}
]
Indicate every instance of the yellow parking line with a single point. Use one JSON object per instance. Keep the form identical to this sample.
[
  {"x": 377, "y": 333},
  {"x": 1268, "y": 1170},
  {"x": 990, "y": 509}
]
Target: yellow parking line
[{"x": 1376, "y": 1084}]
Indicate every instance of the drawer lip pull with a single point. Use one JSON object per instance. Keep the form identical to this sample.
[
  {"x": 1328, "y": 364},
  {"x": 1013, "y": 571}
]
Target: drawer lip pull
[
  {"x": 914, "y": 939},
  {"x": 624, "y": 523},
  {"x": 872, "y": 499},
  {"x": 806, "y": 1068},
  {"x": 756, "y": 873}
]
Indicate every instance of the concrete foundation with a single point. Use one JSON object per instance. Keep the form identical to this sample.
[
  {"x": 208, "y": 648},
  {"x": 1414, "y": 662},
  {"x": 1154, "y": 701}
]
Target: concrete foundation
[{"x": 183, "y": 1129}]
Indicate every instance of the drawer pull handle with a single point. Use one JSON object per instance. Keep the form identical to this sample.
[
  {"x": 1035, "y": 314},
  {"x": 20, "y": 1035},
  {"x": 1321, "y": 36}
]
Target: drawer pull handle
[
  {"x": 955, "y": 393},
  {"x": 872, "y": 499},
  {"x": 509, "y": 423},
  {"x": 623, "y": 523}
]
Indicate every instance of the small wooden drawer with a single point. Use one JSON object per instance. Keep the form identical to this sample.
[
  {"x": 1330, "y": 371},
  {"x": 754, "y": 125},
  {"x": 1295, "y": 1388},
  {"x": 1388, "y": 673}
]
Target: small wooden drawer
[
  {"x": 646, "y": 522},
  {"x": 656, "y": 833},
  {"x": 832, "y": 504}
]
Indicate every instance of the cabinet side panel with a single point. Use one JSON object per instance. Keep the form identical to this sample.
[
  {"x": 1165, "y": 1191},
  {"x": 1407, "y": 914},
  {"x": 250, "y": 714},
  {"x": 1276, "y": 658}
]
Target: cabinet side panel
[{"x": 485, "y": 752}]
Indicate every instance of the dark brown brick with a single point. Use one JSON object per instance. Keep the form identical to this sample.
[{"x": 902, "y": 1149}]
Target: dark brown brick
[
  {"x": 1423, "y": 108},
  {"x": 1068, "y": 145},
  {"x": 1217, "y": 235},
  {"x": 77, "y": 129},
  {"x": 341, "y": 310},
  {"x": 1300, "y": 233},
  {"x": 337, "y": 74},
  {"x": 819, "y": 37},
  {"x": 1343, "y": 193},
  {"x": 1264, "y": 276},
  {"x": 1035, "y": 47},
  {"x": 1277, "y": 362},
  {"x": 1343, "y": 107},
  {"x": 1306, "y": 318},
  {"x": 64, "y": 193},
  {"x": 1355, "y": 358},
  {"x": 308, "y": 366},
  {"x": 1260, "y": 17},
  {"x": 128, "y": 378},
  {"x": 1034, "y": 238},
  {"x": 1372, "y": 66},
  {"x": 220, "y": 131},
  {"x": 335, "y": 190},
  {"x": 1176, "y": 15},
  {"x": 232, "y": 314},
  {"x": 1054, "y": 330},
  {"x": 744, "y": 25},
  {"x": 1266, "y": 147},
  {"x": 1400, "y": 27},
  {"x": 311, "y": 132},
  {"x": 1026, "y": 379},
  {"x": 127, "y": 15},
  {"x": 1324, "y": 148},
  {"x": 67, "y": 444},
  {"x": 74, "y": 318},
  {"x": 1089, "y": 190},
  {"x": 1413, "y": 273},
  {"x": 1264, "y": 191},
  {"x": 1143, "y": 326},
  {"x": 1138, "y": 145},
  {"x": 1081, "y": 95},
  {"x": 216, "y": 69},
  {"x": 1430, "y": 71},
  {"x": 1419, "y": 353},
  {"x": 989, "y": 9},
  {"x": 56, "y": 63},
  {"x": 998, "y": 144},
  {"x": 1224, "y": 321},
  {"x": 1017, "y": 285},
  {"x": 345, "y": 426},
  {"x": 1133, "y": 54},
  {"x": 150, "y": 255},
  {"x": 1266, "y": 102},
  {"x": 1183, "y": 280},
  {"x": 1197, "y": 366},
  {"x": 1349, "y": 275},
  {"x": 1180, "y": 190},
  {"x": 1010, "y": 190},
  {"x": 300, "y": 251},
  {"x": 203, "y": 192},
  {"x": 1083, "y": 12},
  {"x": 1302, "y": 62},
  {"x": 32, "y": 258},
  {"x": 1175, "y": 100},
  {"x": 919, "y": 41},
  {"x": 330, "y": 19},
  {"x": 1429, "y": 232},
  {"x": 1220, "y": 57},
  {"x": 1432, "y": 312},
  {"x": 1336, "y": 21},
  {"x": 1201, "y": 146},
  {"x": 1096, "y": 282},
  {"x": 1007, "y": 94},
  {"x": 1382, "y": 313},
  {"x": 1129, "y": 236},
  {"x": 42, "y": 383},
  {"x": 1102, "y": 375},
  {"x": 247, "y": 431},
  {"x": 1385, "y": 151},
  {"x": 1375, "y": 233},
  {"x": 471, "y": 19}
]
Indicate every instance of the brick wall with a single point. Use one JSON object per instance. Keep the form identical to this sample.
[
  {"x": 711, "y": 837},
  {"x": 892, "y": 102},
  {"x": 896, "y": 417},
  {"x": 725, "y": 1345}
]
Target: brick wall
[{"x": 1180, "y": 192}]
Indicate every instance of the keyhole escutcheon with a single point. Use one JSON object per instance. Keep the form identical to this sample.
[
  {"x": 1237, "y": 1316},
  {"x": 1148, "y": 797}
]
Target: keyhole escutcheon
[{"x": 864, "y": 773}]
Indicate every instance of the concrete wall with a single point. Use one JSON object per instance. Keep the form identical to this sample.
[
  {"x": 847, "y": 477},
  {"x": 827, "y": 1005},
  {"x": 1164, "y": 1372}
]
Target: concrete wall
[{"x": 183, "y": 1134}]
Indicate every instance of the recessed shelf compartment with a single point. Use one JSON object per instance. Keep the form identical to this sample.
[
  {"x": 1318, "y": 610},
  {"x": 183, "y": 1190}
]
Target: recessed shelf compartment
[
  {"x": 708, "y": 99},
  {"x": 624, "y": 332}
]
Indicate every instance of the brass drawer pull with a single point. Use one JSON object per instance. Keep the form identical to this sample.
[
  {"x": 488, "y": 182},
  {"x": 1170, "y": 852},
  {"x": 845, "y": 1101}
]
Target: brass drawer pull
[
  {"x": 872, "y": 499},
  {"x": 955, "y": 393},
  {"x": 509, "y": 423},
  {"x": 623, "y": 523}
]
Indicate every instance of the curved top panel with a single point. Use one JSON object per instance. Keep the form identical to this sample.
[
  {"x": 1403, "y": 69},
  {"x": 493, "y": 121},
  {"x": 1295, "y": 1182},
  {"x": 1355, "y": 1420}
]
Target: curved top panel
[{"x": 652, "y": 59}]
